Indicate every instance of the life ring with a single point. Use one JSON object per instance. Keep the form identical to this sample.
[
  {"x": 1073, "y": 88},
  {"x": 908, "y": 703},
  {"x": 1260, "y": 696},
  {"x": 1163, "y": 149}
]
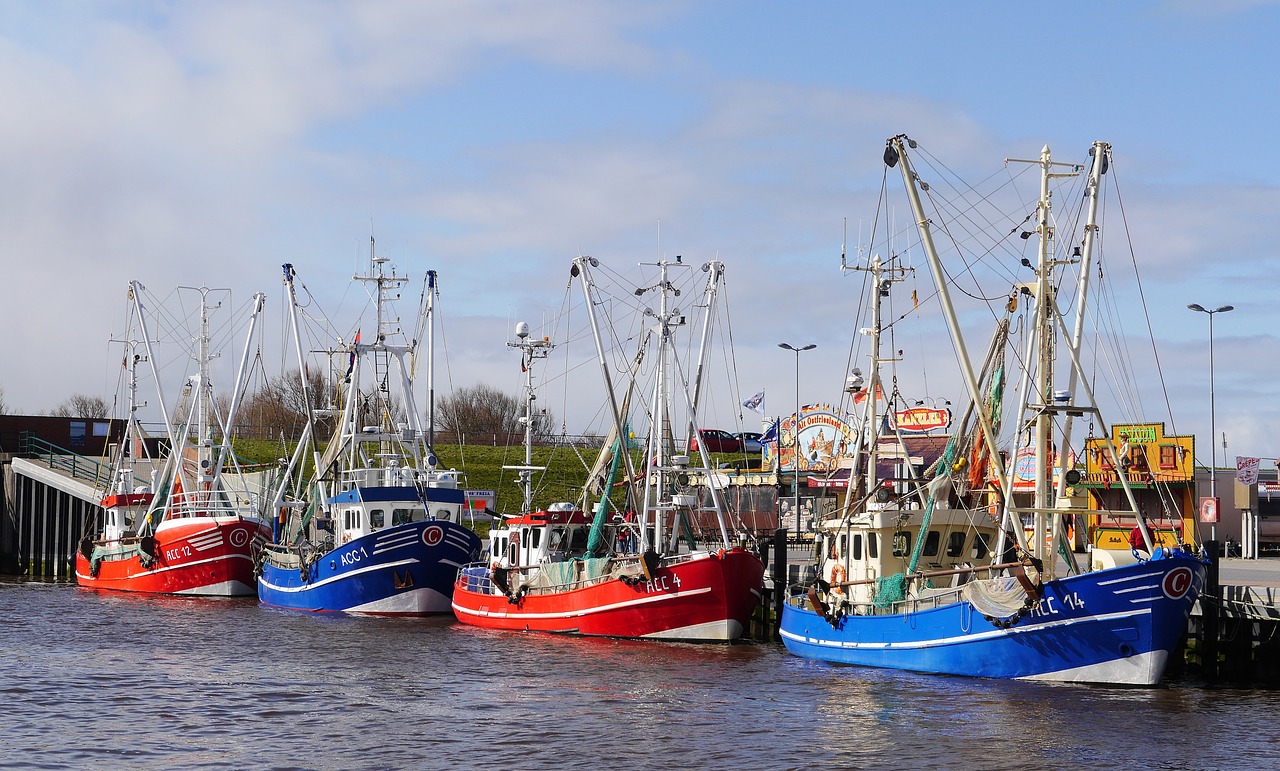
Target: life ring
[{"x": 837, "y": 578}]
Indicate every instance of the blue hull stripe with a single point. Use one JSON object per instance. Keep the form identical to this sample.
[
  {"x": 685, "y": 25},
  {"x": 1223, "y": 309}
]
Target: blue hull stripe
[
  {"x": 406, "y": 494},
  {"x": 369, "y": 570}
]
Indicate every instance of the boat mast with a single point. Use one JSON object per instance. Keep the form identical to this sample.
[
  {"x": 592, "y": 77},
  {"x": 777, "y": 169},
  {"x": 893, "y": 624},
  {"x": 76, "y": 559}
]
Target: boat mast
[
  {"x": 882, "y": 277},
  {"x": 259, "y": 300},
  {"x": 897, "y": 149},
  {"x": 715, "y": 272},
  {"x": 1044, "y": 510},
  {"x": 580, "y": 270},
  {"x": 530, "y": 349},
  {"x": 432, "y": 291},
  {"x": 658, "y": 455}
]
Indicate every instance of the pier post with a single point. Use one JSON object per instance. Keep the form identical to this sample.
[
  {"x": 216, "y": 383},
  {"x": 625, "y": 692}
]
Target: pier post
[
  {"x": 781, "y": 581},
  {"x": 1210, "y": 609}
]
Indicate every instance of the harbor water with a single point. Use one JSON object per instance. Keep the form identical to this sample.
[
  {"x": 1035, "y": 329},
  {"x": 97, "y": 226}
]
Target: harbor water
[{"x": 124, "y": 681}]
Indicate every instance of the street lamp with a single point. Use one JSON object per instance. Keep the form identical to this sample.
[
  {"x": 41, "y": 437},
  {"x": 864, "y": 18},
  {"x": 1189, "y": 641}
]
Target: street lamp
[
  {"x": 1213, "y": 447},
  {"x": 795, "y": 432}
]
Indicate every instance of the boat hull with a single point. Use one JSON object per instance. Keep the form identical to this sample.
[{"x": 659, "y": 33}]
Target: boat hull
[
  {"x": 406, "y": 570},
  {"x": 211, "y": 556},
  {"x": 707, "y": 598},
  {"x": 1115, "y": 626}
]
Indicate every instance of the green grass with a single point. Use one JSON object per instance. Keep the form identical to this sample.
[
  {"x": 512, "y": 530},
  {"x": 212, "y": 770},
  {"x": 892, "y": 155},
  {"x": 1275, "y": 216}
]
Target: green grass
[{"x": 481, "y": 467}]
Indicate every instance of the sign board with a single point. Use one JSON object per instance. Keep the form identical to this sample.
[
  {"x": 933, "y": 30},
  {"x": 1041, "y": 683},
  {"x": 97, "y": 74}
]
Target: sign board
[
  {"x": 482, "y": 499},
  {"x": 921, "y": 419},
  {"x": 1209, "y": 508}
]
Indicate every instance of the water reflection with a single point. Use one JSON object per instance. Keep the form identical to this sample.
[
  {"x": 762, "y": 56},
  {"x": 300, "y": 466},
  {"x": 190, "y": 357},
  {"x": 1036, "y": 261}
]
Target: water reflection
[{"x": 151, "y": 682}]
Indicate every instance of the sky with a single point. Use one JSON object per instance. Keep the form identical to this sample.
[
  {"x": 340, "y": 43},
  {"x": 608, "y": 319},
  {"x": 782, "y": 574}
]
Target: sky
[{"x": 206, "y": 143}]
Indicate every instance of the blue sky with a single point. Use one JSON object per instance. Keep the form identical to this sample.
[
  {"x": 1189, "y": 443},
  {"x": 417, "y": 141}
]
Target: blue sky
[{"x": 208, "y": 142}]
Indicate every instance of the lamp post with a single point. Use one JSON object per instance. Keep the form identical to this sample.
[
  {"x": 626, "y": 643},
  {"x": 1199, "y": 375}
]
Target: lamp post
[
  {"x": 795, "y": 431},
  {"x": 1213, "y": 446}
]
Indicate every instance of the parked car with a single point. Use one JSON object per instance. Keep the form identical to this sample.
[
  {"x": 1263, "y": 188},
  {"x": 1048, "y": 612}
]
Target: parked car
[
  {"x": 715, "y": 440},
  {"x": 750, "y": 442}
]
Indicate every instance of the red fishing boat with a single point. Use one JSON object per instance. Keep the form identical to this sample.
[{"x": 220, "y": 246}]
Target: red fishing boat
[
  {"x": 200, "y": 533},
  {"x": 535, "y": 585},
  {"x": 632, "y": 571}
]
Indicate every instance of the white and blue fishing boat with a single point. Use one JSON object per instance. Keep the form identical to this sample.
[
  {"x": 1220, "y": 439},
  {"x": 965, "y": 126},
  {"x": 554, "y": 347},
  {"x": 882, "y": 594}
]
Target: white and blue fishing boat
[
  {"x": 378, "y": 528},
  {"x": 932, "y": 567}
]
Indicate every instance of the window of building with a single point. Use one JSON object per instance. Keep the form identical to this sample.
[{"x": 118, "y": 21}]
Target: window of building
[
  {"x": 1168, "y": 456},
  {"x": 78, "y": 428}
]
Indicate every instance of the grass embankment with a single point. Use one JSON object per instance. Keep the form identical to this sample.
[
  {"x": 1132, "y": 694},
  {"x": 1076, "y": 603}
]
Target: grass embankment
[{"x": 481, "y": 466}]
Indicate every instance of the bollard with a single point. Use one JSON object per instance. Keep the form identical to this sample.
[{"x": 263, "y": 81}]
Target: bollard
[
  {"x": 1210, "y": 607},
  {"x": 781, "y": 584}
]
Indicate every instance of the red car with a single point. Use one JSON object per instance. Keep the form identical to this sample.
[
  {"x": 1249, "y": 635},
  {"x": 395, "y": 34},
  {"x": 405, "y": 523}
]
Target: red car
[{"x": 715, "y": 440}]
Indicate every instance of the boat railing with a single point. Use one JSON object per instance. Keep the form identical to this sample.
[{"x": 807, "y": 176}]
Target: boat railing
[
  {"x": 478, "y": 577},
  {"x": 208, "y": 503},
  {"x": 926, "y": 597}
]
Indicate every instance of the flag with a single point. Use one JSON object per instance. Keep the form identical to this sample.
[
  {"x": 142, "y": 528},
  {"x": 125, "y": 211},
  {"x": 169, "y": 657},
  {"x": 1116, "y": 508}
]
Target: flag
[
  {"x": 352, "y": 363},
  {"x": 756, "y": 402},
  {"x": 1247, "y": 469},
  {"x": 771, "y": 434},
  {"x": 861, "y": 396}
]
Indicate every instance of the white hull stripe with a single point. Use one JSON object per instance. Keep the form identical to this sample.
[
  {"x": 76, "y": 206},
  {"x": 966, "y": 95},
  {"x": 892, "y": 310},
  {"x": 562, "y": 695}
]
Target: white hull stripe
[
  {"x": 332, "y": 579},
  {"x": 1139, "y": 669},
  {"x": 183, "y": 566},
  {"x": 579, "y": 613},
  {"x": 726, "y": 629},
  {"x": 222, "y": 588},
  {"x": 965, "y": 638},
  {"x": 416, "y": 601}
]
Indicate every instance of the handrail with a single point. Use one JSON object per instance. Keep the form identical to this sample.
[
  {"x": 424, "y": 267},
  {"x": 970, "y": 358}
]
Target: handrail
[{"x": 79, "y": 466}]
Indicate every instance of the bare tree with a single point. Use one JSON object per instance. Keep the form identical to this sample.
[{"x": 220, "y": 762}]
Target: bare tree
[
  {"x": 4, "y": 406},
  {"x": 81, "y": 406},
  {"x": 280, "y": 406},
  {"x": 483, "y": 410}
]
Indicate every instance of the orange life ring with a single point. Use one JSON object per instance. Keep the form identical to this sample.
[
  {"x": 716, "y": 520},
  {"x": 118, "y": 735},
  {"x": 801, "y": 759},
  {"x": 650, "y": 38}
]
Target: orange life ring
[{"x": 837, "y": 577}]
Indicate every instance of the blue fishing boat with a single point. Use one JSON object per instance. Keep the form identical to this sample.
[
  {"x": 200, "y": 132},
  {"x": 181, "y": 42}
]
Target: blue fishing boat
[
  {"x": 378, "y": 528},
  {"x": 961, "y": 563}
]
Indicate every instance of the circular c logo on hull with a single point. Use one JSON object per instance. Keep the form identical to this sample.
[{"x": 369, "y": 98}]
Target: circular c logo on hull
[
  {"x": 1176, "y": 583},
  {"x": 433, "y": 535},
  {"x": 239, "y": 537}
]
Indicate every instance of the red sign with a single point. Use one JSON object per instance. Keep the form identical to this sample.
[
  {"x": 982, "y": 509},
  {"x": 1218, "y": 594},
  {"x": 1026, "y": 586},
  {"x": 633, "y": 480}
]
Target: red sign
[
  {"x": 922, "y": 419},
  {"x": 1209, "y": 511}
]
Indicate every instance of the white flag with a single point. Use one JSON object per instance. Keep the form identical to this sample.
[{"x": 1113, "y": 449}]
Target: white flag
[
  {"x": 755, "y": 403},
  {"x": 1247, "y": 470}
]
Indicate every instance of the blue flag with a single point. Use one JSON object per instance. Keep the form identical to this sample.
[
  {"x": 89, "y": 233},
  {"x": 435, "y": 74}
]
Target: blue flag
[{"x": 771, "y": 434}]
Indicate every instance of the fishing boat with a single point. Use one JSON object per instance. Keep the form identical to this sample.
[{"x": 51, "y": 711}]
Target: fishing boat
[
  {"x": 622, "y": 570},
  {"x": 908, "y": 575},
  {"x": 200, "y": 532},
  {"x": 378, "y": 529}
]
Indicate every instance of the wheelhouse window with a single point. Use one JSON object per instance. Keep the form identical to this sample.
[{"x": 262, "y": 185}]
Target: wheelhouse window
[
  {"x": 981, "y": 546},
  {"x": 931, "y": 543},
  {"x": 376, "y": 518},
  {"x": 857, "y": 546},
  {"x": 401, "y": 516},
  {"x": 872, "y": 548},
  {"x": 901, "y": 543},
  {"x": 955, "y": 544}
]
